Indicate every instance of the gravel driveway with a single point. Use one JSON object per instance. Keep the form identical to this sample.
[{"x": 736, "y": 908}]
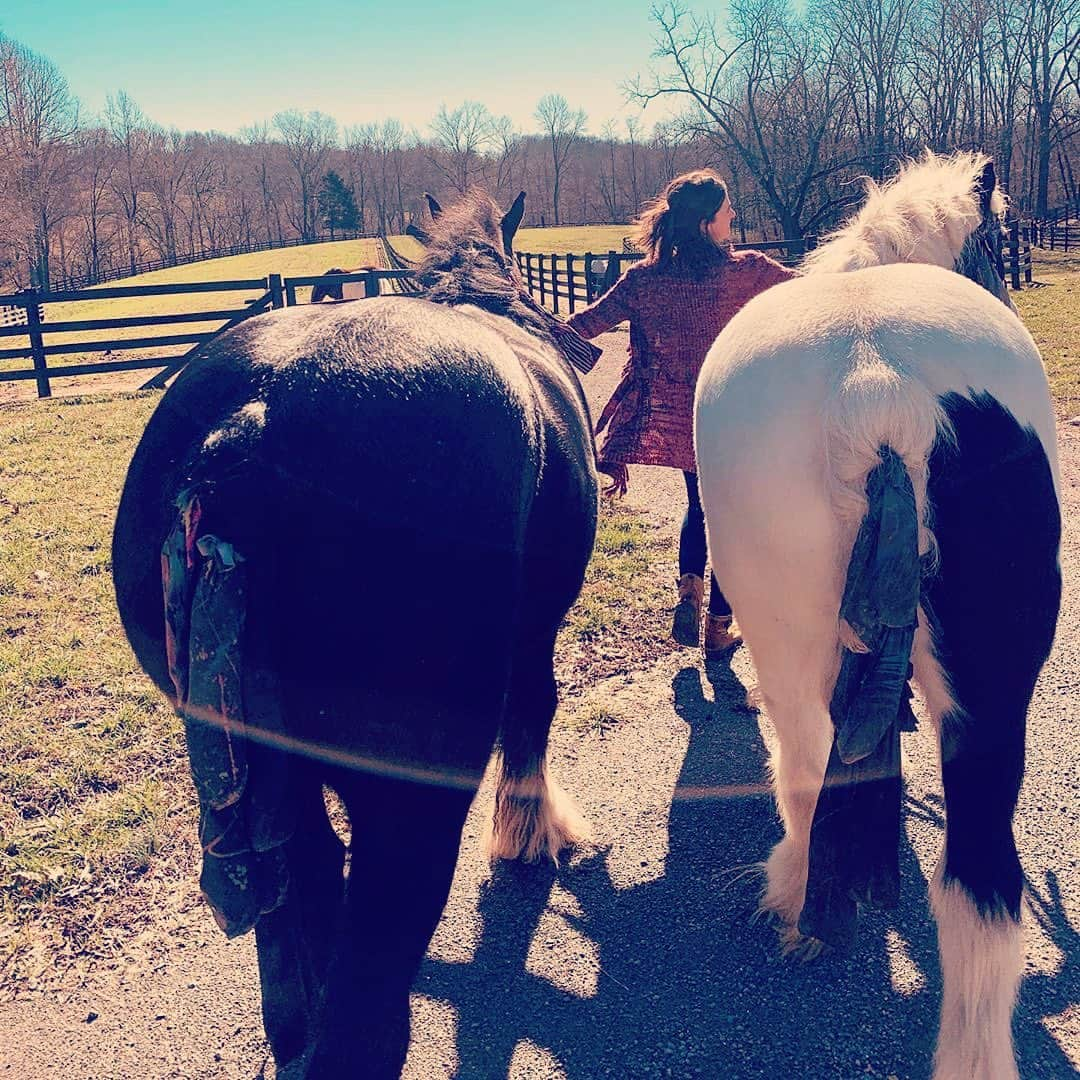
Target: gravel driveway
[{"x": 640, "y": 958}]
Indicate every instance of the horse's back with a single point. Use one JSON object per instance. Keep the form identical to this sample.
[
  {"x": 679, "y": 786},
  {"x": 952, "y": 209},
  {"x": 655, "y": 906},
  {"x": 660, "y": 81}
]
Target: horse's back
[
  {"x": 375, "y": 465},
  {"x": 796, "y": 345}
]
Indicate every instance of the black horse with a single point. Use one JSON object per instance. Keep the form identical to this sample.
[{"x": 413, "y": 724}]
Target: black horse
[{"x": 368, "y": 521}]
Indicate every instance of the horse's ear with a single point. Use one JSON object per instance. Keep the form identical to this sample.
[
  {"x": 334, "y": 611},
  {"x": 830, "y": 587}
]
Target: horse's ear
[
  {"x": 433, "y": 206},
  {"x": 986, "y": 187},
  {"x": 417, "y": 233},
  {"x": 511, "y": 220}
]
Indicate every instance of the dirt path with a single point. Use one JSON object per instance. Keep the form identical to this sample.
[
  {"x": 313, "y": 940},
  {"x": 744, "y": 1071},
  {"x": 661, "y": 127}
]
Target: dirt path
[{"x": 640, "y": 959}]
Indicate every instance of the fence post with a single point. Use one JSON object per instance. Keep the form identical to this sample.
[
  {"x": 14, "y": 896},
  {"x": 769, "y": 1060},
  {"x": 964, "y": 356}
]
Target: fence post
[
  {"x": 614, "y": 265},
  {"x": 555, "y": 283},
  {"x": 371, "y": 284},
  {"x": 570, "y": 281},
  {"x": 528, "y": 273},
  {"x": 277, "y": 297},
  {"x": 588, "y": 277},
  {"x": 37, "y": 343},
  {"x": 1014, "y": 253},
  {"x": 540, "y": 271}
]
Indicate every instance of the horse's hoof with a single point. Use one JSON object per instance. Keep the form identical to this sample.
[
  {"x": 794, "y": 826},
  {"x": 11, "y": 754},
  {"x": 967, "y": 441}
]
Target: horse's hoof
[{"x": 795, "y": 945}]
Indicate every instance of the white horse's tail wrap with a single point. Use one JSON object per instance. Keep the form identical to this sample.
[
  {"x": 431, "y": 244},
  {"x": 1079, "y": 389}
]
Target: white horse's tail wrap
[{"x": 855, "y": 834}]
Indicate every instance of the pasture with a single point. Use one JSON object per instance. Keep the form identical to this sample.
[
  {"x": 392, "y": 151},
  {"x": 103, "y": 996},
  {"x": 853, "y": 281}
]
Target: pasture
[{"x": 1051, "y": 311}]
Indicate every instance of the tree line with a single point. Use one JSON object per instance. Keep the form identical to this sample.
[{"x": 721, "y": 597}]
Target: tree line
[{"x": 791, "y": 106}]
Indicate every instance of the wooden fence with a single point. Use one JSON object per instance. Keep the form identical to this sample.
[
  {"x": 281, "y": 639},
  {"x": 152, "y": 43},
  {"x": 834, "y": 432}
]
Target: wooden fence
[
  {"x": 1054, "y": 235},
  {"x": 561, "y": 282},
  {"x": 35, "y": 328},
  {"x": 565, "y": 282}
]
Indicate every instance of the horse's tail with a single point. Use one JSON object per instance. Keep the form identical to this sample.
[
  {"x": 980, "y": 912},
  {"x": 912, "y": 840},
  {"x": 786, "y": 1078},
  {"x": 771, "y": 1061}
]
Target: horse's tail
[
  {"x": 880, "y": 430},
  {"x": 878, "y": 406}
]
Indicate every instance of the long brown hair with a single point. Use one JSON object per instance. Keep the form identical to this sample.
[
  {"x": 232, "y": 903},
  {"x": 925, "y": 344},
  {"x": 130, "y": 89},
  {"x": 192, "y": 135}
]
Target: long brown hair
[{"x": 669, "y": 228}]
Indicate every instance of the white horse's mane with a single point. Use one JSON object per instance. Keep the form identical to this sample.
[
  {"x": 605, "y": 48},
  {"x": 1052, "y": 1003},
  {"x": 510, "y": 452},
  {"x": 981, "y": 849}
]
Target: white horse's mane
[{"x": 922, "y": 215}]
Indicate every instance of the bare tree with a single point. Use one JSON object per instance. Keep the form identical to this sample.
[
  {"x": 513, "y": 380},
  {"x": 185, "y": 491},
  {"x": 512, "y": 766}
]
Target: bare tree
[
  {"x": 308, "y": 141},
  {"x": 1053, "y": 49},
  {"x": 873, "y": 35},
  {"x": 609, "y": 191},
  {"x": 167, "y": 164},
  {"x": 129, "y": 129},
  {"x": 461, "y": 136},
  {"x": 770, "y": 91},
  {"x": 507, "y": 147},
  {"x": 96, "y": 164},
  {"x": 39, "y": 118},
  {"x": 562, "y": 127}
]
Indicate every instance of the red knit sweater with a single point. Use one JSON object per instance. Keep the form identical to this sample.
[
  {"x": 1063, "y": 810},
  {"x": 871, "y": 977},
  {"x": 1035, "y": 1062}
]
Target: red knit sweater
[{"x": 674, "y": 318}]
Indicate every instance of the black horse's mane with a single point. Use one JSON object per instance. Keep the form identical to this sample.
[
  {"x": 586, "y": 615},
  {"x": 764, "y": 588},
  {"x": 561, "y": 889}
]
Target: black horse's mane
[{"x": 465, "y": 263}]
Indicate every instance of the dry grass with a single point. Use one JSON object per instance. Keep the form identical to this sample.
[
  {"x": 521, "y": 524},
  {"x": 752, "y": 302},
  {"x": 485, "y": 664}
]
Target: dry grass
[
  {"x": 97, "y": 812},
  {"x": 1052, "y": 314},
  {"x": 93, "y": 788},
  {"x": 599, "y": 239}
]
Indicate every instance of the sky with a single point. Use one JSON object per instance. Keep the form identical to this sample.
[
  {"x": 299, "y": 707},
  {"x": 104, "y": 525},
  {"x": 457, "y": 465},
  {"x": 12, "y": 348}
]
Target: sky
[{"x": 200, "y": 65}]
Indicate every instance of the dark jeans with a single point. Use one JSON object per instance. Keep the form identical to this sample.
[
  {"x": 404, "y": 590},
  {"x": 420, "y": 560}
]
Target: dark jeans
[{"x": 692, "y": 549}]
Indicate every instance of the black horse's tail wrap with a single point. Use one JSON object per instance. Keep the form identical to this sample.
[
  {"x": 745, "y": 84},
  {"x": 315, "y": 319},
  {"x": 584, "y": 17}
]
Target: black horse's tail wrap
[
  {"x": 855, "y": 835},
  {"x": 242, "y": 783}
]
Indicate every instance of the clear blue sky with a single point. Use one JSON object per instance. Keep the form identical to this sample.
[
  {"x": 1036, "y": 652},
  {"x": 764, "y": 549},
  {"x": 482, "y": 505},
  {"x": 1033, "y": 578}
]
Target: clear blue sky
[{"x": 197, "y": 64}]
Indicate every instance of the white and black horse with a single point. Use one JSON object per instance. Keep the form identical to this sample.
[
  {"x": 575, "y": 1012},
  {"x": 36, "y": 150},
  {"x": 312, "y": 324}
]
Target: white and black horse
[
  {"x": 368, "y": 521},
  {"x": 876, "y": 452}
]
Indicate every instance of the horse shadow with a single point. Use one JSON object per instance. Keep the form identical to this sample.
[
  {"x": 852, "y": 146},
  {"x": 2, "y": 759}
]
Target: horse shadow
[{"x": 687, "y": 982}]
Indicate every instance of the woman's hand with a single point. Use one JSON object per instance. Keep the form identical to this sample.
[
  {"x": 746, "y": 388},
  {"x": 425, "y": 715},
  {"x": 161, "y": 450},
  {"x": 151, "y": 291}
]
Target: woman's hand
[{"x": 620, "y": 478}]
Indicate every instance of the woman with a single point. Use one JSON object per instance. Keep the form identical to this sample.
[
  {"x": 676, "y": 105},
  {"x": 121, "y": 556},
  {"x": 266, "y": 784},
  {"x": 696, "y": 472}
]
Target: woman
[{"x": 678, "y": 298}]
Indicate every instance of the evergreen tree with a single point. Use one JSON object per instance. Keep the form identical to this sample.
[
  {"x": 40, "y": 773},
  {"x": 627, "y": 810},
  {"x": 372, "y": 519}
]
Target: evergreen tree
[{"x": 337, "y": 206}]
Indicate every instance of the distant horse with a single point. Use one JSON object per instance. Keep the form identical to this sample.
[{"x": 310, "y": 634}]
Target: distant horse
[
  {"x": 340, "y": 290},
  {"x": 368, "y": 521},
  {"x": 876, "y": 452}
]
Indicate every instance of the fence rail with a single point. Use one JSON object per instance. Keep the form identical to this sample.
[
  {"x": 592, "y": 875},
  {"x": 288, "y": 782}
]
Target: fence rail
[{"x": 1054, "y": 235}]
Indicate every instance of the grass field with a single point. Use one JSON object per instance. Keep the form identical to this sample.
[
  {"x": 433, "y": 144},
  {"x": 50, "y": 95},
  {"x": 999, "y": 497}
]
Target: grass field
[
  {"x": 1051, "y": 312},
  {"x": 97, "y": 813}
]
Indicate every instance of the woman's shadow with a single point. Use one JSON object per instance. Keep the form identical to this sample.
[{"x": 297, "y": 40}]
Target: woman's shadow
[{"x": 687, "y": 981}]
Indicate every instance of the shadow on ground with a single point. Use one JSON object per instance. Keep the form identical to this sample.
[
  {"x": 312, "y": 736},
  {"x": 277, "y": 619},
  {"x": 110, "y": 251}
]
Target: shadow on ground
[{"x": 689, "y": 985}]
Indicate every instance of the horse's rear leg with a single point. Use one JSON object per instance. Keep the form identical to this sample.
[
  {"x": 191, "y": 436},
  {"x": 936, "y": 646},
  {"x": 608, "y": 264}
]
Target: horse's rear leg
[
  {"x": 404, "y": 849},
  {"x": 533, "y": 816},
  {"x": 798, "y": 761},
  {"x": 975, "y": 896},
  {"x": 997, "y": 523},
  {"x": 294, "y": 941},
  {"x": 797, "y": 657}
]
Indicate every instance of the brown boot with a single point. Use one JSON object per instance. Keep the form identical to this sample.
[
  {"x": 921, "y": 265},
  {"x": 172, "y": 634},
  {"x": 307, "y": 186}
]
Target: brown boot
[
  {"x": 721, "y": 634},
  {"x": 686, "y": 626}
]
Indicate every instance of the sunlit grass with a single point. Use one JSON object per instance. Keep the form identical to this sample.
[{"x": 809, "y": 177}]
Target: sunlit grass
[{"x": 1051, "y": 311}]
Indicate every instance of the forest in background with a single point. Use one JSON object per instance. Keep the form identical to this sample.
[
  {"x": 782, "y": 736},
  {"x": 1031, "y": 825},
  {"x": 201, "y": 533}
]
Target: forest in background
[{"x": 792, "y": 107}]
